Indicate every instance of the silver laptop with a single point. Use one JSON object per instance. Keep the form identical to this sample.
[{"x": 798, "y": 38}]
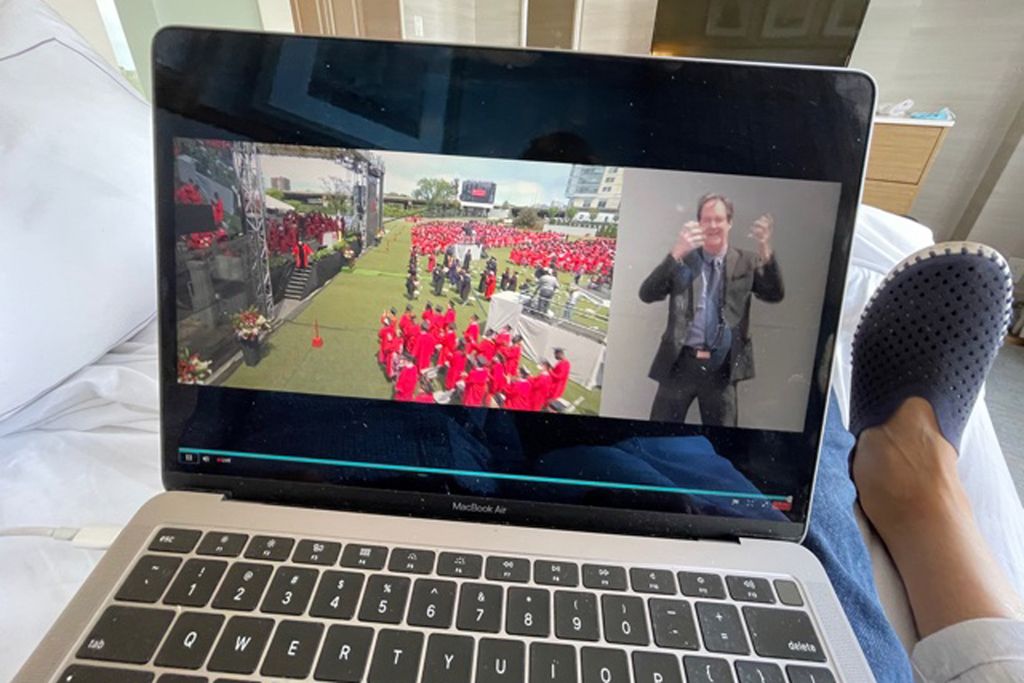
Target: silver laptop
[{"x": 483, "y": 365}]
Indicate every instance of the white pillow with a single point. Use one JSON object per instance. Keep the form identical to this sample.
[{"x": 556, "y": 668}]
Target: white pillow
[{"x": 76, "y": 204}]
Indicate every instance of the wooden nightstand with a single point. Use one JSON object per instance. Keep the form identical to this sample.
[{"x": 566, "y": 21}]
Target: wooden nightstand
[{"x": 902, "y": 151}]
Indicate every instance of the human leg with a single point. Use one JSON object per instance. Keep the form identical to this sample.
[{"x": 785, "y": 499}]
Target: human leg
[
  {"x": 673, "y": 399},
  {"x": 717, "y": 398}
]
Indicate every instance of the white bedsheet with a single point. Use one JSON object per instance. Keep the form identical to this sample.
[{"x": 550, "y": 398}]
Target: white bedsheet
[{"x": 87, "y": 453}]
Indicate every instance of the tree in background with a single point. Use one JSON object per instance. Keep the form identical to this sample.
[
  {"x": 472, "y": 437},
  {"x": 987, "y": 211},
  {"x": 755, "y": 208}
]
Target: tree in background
[
  {"x": 528, "y": 218},
  {"x": 436, "y": 192},
  {"x": 336, "y": 195}
]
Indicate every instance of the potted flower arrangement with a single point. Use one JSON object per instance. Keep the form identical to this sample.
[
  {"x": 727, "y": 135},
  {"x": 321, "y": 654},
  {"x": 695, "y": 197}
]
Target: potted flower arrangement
[
  {"x": 191, "y": 368},
  {"x": 249, "y": 326}
]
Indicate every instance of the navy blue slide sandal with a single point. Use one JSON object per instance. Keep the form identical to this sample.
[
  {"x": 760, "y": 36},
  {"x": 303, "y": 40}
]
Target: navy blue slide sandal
[{"x": 932, "y": 329}]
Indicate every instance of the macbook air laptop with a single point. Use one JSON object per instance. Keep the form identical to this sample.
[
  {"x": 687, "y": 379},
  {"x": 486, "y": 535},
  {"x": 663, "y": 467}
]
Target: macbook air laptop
[{"x": 483, "y": 365}]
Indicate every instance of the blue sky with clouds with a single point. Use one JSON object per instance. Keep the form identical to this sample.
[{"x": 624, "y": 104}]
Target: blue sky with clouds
[{"x": 521, "y": 183}]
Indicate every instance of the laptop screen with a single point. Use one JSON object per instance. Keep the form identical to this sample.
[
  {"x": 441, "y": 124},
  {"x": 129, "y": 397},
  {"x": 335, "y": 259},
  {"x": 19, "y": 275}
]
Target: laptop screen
[{"x": 376, "y": 294}]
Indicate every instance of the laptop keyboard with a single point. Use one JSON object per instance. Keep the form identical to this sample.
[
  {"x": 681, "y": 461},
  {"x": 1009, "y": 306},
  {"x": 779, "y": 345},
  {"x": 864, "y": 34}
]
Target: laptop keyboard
[{"x": 229, "y": 607}]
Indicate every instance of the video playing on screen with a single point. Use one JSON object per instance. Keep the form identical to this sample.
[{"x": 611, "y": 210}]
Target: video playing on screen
[{"x": 519, "y": 285}]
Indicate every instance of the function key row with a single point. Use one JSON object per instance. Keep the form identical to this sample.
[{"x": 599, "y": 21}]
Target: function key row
[{"x": 459, "y": 565}]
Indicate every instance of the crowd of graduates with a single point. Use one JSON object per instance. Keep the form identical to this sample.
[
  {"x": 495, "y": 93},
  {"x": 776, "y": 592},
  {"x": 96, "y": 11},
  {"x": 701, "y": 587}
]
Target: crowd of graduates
[
  {"x": 430, "y": 361},
  {"x": 284, "y": 233},
  {"x": 449, "y": 272},
  {"x": 188, "y": 193},
  {"x": 529, "y": 248}
]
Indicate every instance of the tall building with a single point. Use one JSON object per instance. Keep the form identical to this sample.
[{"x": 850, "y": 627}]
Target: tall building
[
  {"x": 281, "y": 183},
  {"x": 595, "y": 188}
]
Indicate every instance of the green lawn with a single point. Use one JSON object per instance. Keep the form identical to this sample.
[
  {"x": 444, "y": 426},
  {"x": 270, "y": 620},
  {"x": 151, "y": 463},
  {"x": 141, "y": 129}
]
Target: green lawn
[{"x": 348, "y": 312}]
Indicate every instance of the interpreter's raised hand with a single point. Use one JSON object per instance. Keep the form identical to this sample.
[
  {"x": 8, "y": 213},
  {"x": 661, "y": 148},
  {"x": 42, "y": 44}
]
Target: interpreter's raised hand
[
  {"x": 690, "y": 237},
  {"x": 762, "y": 231}
]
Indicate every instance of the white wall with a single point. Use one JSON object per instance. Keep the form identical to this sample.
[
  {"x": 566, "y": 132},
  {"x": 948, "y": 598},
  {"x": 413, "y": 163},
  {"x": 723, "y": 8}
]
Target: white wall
[
  {"x": 655, "y": 205},
  {"x": 955, "y": 53},
  {"x": 84, "y": 17}
]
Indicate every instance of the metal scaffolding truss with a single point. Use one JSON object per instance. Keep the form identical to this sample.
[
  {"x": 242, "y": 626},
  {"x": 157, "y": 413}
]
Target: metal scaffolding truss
[{"x": 250, "y": 186}]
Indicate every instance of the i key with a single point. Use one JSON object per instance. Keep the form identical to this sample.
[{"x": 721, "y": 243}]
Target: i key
[{"x": 552, "y": 663}]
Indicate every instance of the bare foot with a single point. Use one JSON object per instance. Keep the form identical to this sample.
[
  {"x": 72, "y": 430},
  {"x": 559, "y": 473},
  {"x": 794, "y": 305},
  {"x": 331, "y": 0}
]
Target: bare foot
[{"x": 909, "y": 488}]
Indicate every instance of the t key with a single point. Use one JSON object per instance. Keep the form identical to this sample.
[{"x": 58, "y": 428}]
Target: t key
[{"x": 396, "y": 656}]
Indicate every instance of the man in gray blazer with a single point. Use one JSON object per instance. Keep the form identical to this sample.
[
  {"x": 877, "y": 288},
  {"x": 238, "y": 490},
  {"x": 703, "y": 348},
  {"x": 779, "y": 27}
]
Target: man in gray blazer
[{"x": 706, "y": 347}]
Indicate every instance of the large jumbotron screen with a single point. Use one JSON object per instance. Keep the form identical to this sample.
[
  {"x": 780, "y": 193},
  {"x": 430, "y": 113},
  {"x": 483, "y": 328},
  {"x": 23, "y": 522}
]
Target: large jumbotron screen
[{"x": 663, "y": 295}]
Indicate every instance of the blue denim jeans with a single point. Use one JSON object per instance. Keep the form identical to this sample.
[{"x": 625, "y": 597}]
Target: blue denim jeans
[{"x": 836, "y": 540}]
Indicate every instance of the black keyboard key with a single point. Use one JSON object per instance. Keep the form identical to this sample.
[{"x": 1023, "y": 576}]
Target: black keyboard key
[
  {"x": 604, "y": 577},
  {"x": 243, "y": 586},
  {"x": 788, "y": 592},
  {"x": 720, "y": 625},
  {"x": 364, "y": 556},
  {"x": 529, "y": 612},
  {"x": 696, "y": 585},
  {"x": 274, "y": 548},
  {"x": 653, "y": 581},
  {"x": 479, "y": 608},
  {"x": 625, "y": 621},
  {"x": 345, "y": 653},
  {"x": 126, "y": 634},
  {"x": 181, "y": 678},
  {"x": 604, "y": 665},
  {"x": 240, "y": 646},
  {"x": 432, "y": 603},
  {"x": 190, "y": 640},
  {"x": 749, "y": 589},
  {"x": 707, "y": 670},
  {"x": 783, "y": 633},
  {"x": 148, "y": 579},
  {"x": 556, "y": 573},
  {"x": 84, "y": 673},
  {"x": 316, "y": 552},
  {"x": 396, "y": 656},
  {"x": 809, "y": 674},
  {"x": 449, "y": 659},
  {"x": 195, "y": 583},
  {"x": 500, "y": 661},
  {"x": 222, "y": 544},
  {"x": 462, "y": 565},
  {"x": 289, "y": 591},
  {"x": 411, "y": 561},
  {"x": 292, "y": 649},
  {"x": 384, "y": 599},
  {"x": 576, "y": 616},
  {"x": 673, "y": 624},
  {"x": 512, "y": 569},
  {"x": 656, "y": 667},
  {"x": 175, "y": 540},
  {"x": 759, "y": 672},
  {"x": 337, "y": 595},
  {"x": 552, "y": 663}
]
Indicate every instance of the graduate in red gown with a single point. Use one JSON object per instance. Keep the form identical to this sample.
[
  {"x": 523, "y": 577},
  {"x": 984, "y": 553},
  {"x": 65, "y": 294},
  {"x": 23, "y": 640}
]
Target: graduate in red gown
[
  {"x": 218, "y": 209},
  {"x": 559, "y": 374},
  {"x": 409, "y": 329},
  {"x": 504, "y": 338},
  {"x": 449, "y": 341},
  {"x": 424, "y": 348},
  {"x": 476, "y": 384},
  {"x": 384, "y": 335},
  {"x": 540, "y": 387},
  {"x": 489, "y": 284},
  {"x": 517, "y": 395},
  {"x": 408, "y": 379},
  {"x": 431, "y": 262},
  {"x": 391, "y": 350},
  {"x": 486, "y": 346},
  {"x": 449, "y": 315},
  {"x": 456, "y": 364},
  {"x": 512, "y": 355},
  {"x": 428, "y": 313},
  {"x": 498, "y": 381},
  {"x": 472, "y": 333},
  {"x": 301, "y": 252}
]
